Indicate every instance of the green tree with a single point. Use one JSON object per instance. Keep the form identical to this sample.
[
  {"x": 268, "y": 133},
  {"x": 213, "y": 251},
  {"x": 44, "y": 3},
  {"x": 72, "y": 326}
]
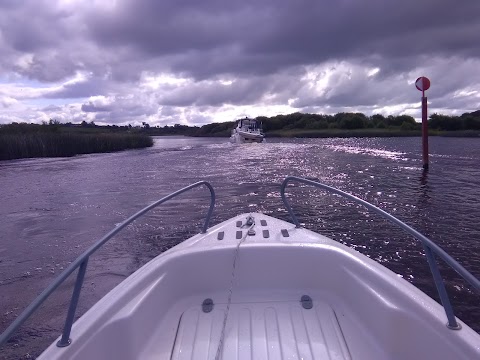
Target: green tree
[
  {"x": 352, "y": 121},
  {"x": 377, "y": 118},
  {"x": 381, "y": 125},
  {"x": 407, "y": 126},
  {"x": 471, "y": 123}
]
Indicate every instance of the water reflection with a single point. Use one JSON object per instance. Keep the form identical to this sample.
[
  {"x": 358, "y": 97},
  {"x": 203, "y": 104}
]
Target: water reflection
[{"x": 424, "y": 187}]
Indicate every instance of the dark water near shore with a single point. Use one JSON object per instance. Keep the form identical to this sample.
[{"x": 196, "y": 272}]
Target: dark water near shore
[{"x": 53, "y": 209}]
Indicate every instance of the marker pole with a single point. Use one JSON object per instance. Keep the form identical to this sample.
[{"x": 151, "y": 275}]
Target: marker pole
[{"x": 424, "y": 131}]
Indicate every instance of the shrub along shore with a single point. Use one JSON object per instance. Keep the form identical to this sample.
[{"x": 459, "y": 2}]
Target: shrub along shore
[
  {"x": 338, "y": 125},
  {"x": 367, "y": 133},
  {"x": 29, "y": 140},
  {"x": 20, "y": 140}
]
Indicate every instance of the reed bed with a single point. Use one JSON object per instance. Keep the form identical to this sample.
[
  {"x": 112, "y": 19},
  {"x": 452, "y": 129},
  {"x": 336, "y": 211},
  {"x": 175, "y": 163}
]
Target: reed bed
[{"x": 63, "y": 144}]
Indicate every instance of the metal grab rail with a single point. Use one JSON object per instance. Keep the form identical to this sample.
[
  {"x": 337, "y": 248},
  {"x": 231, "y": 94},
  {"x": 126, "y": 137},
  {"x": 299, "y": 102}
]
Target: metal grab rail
[
  {"x": 82, "y": 261},
  {"x": 429, "y": 246}
]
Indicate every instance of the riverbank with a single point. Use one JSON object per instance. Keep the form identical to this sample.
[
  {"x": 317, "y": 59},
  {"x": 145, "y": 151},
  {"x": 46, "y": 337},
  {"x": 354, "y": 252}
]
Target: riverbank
[
  {"x": 365, "y": 133},
  {"x": 65, "y": 144}
]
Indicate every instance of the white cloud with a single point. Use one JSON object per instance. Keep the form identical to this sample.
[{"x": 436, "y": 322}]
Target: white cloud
[
  {"x": 8, "y": 101},
  {"x": 167, "y": 62}
]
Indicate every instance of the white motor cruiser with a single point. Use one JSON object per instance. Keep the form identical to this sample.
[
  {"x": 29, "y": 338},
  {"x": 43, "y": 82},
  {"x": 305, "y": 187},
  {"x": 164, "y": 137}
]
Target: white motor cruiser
[{"x": 247, "y": 131}]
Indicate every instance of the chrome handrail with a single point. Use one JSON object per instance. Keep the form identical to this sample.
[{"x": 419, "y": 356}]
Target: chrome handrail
[
  {"x": 430, "y": 247},
  {"x": 82, "y": 261}
]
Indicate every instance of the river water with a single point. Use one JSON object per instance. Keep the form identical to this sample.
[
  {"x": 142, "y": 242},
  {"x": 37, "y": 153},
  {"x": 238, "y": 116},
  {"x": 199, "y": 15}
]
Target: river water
[{"x": 51, "y": 210}]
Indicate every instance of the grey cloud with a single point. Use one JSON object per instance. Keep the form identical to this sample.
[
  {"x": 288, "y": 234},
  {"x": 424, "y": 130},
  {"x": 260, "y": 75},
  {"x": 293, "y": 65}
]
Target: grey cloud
[
  {"x": 51, "y": 34},
  {"x": 124, "y": 115},
  {"x": 31, "y": 25},
  {"x": 263, "y": 37},
  {"x": 121, "y": 109},
  {"x": 168, "y": 115},
  {"x": 265, "y": 46},
  {"x": 169, "y": 27},
  {"x": 387, "y": 88},
  {"x": 268, "y": 89},
  {"x": 332, "y": 29},
  {"x": 51, "y": 108},
  {"x": 215, "y": 94},
  {"x": 169, "y": 111},
  {"x": 47, "y": 67},
  {"x": 91, "y": 107},
  {"x": 197, "y": 119}
]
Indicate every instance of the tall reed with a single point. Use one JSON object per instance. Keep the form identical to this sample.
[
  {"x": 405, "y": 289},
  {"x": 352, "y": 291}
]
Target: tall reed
[{"x": 60, "y": 144}]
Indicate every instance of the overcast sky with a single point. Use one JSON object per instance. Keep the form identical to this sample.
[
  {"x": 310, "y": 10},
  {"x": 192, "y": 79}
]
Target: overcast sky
[{"x": 200, "y": 61}]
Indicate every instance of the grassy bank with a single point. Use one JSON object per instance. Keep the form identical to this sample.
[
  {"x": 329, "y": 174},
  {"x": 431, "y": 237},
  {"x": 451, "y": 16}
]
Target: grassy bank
[
  {"x": 327, "y": 133},
  {"x": 330, "y": 133},
  {"x": 60, "y": 144}
]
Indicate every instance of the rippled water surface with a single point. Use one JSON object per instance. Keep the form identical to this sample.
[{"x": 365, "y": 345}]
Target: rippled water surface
[{"x": 51, "y": 210}]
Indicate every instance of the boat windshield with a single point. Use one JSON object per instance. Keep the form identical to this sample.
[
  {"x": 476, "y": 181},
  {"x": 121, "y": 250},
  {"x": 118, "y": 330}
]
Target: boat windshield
[{"x": 250, "y": 124}]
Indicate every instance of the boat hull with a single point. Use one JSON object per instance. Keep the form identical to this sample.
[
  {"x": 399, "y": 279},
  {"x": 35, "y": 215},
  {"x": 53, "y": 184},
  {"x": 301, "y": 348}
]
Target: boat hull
[
  {"x": 359, "y": 309},
  {"x": 245, "y": 137}
]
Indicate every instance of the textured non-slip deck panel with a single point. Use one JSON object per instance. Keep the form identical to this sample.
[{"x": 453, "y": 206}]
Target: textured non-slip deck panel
[{"x": 275, "y": 330}]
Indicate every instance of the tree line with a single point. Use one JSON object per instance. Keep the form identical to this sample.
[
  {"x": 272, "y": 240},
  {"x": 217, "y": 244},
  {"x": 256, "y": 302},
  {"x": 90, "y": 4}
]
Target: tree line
[
  {"x": 276, "y": 124},
  {"x": 348, "y": 121}
]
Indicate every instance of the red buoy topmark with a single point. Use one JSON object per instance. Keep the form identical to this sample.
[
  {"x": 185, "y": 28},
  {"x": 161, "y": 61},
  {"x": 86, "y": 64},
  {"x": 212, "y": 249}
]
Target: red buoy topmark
[{"x": 422, "y": 83}]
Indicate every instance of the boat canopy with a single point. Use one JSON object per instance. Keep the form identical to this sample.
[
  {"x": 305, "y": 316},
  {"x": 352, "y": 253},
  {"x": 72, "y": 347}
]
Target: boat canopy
[{"x": 251, "y": 124}]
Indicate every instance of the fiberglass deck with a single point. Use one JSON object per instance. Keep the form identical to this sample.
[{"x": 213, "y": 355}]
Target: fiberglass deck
[{"x": 271, "y": 330}]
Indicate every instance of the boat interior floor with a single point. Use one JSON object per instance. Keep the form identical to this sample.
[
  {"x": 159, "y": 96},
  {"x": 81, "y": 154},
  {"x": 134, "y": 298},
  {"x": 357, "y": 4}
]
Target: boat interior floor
[{"x": 269, "y": 330}]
